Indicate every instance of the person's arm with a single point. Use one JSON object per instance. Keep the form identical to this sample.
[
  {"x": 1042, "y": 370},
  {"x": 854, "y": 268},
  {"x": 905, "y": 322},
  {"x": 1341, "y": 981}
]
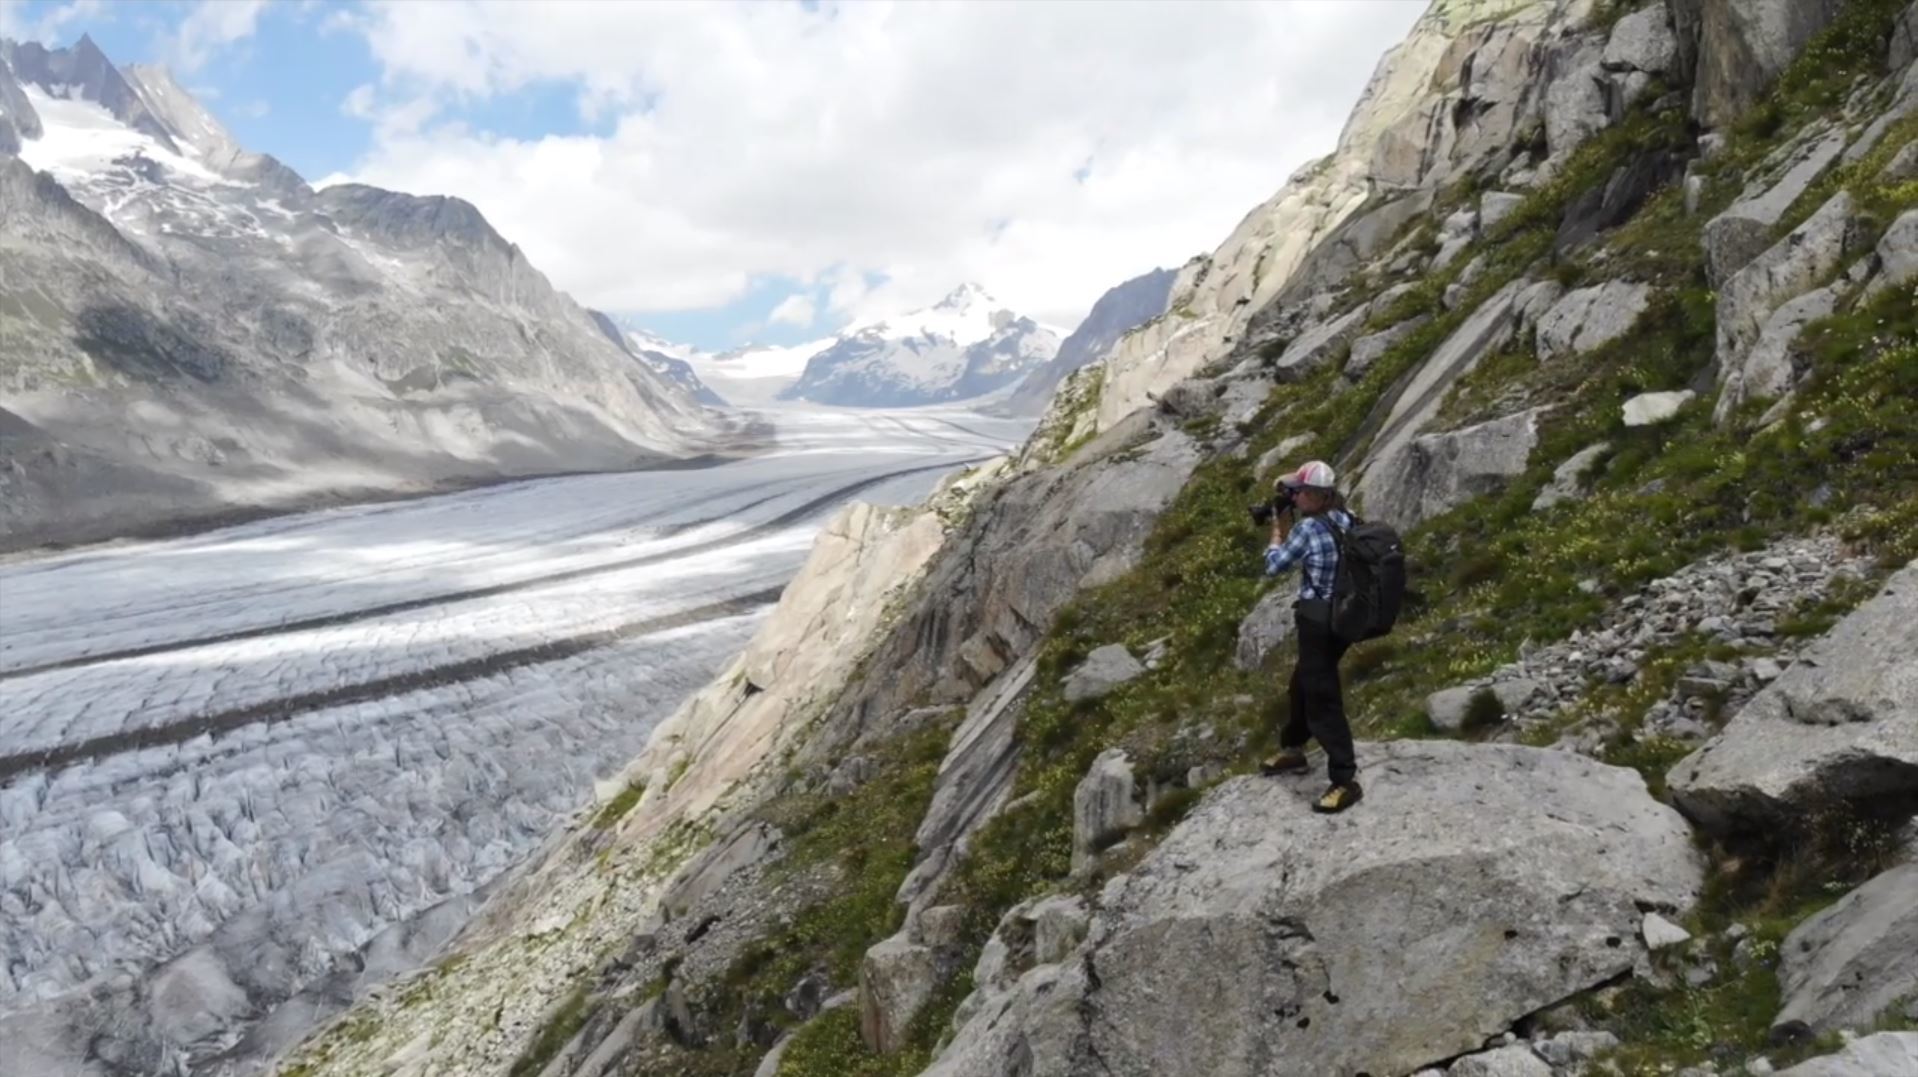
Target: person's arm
[{"x": 1288, "y": 546}]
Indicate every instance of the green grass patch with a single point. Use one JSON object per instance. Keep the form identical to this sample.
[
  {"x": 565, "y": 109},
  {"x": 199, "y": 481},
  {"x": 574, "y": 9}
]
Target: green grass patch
[
  {"x": 863, "y": 840},
  {"x": 680, "y": 767},
  {"x": 564, "y": 1023},
  {"x": 615, "y": 809},
  {"x": 831, "y": 1045},
  {"x": 1830, "y": 851}
]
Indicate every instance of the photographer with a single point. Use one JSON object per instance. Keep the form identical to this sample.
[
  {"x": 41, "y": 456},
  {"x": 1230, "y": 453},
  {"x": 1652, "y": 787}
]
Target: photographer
[{"x": 1305, "y": 509}]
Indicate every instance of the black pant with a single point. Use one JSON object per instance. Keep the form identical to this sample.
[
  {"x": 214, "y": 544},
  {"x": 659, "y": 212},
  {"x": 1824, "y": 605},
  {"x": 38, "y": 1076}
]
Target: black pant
[{"x": 1318, "y": 701}]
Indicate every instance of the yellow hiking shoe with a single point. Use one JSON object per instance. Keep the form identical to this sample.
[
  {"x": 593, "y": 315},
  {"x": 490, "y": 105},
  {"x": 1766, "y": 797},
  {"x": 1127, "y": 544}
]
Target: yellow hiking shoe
[
  {"x": 1338, "y": 798},
  {"x": 1287, "y": 761}
]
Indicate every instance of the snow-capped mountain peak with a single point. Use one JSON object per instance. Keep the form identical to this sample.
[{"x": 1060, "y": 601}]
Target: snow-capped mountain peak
[
  {"x": 647, "y": 340},
  {"x": 967, "y": 314},
  {"x": 964, "y": 346}
]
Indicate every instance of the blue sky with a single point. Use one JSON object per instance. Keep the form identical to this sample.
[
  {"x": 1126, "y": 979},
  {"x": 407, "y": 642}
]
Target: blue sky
[
  {"x": 281, "y": 90},
  {"x": 727, "y": 171}
]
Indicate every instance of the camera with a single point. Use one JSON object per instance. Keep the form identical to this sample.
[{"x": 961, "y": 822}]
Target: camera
[{"x": 1266, "y": 511}]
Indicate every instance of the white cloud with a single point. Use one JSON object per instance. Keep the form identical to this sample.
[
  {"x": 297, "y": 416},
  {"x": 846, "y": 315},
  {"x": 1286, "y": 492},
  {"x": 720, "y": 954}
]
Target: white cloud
[
  {"x": 209, "y": 27},
  {"x": 359, "y": 101},
  {"x": 53, "y": 27},
  {"x": 794, "y": 310},
  {"x": 926, "y": 143},
  {"x": 391, "y": 118}
]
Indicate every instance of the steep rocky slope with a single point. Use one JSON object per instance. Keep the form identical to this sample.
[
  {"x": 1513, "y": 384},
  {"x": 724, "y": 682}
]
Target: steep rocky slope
[
  {"x": 1121, "y": 310},
  {"x": 1651, "y": 707},
  {"x": 190, "y": 331},
  {"x": 674, "y": 370}
]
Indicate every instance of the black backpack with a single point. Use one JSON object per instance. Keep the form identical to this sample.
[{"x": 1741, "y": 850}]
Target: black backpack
[{"x": 1370, "y": 583}]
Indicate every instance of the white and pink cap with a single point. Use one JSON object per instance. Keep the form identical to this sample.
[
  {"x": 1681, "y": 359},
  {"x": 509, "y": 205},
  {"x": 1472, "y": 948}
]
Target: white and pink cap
[{"x": 1316, "y": 475}]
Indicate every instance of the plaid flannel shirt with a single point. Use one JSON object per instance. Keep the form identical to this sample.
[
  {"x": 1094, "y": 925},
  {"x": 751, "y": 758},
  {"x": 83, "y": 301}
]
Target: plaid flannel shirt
[{"x": 1312, "y": 542}]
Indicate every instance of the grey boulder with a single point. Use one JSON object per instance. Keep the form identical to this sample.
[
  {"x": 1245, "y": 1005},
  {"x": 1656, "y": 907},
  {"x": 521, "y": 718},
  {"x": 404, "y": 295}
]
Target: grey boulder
[
  {"x": 1319, "y": 345},
  {"x": 1904, "y": 39},
  {"x": 1484, "y": 331},
  {"x": 1475, "y": 885},
  {"x": 1661, "y": 934},
  {"x": 1743, "y": 231},
  {"x": 1902, "y": 166},
  {"x": 1103, "y": 671},
  {"x": 1104, "y": 806},
  {"x": 1813, "y": 252},
  {"x": 1575, "y": 103},
  {"x": 1886, "y": 1054},
  {"x": 1898, "y": 248},
  {"x": 1058, "y": 924},
  {"x": 1369, "y": 349},
  {"x": 1268, "y": 626},
  {"x": 896, "y": 980},
  {"x": 1853, "y": 961},
  {"x": 1568, "y": 479},
  {"x": 1840, "y": 724},
  {"x": 1447, "y": 707},
  {"x": 1495, "y": 206},
  {"x": 1642, "y": 41},
  {"x": 1650, "y": 409},
  {"x": 1033, "y": 935},
  {"x": 1586, "y": 318},
  {"x": 1438, "y": 472},
  {"x": 1766, "y": 372}
]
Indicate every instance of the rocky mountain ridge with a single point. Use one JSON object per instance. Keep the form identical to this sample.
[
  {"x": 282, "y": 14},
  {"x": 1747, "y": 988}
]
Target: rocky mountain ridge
[
  {"x": 1015, "y": 829},
  {"x": 192, "y": 332},
  {"x": 675, "y": 369},
  {"x": 1122, "y": 309}
]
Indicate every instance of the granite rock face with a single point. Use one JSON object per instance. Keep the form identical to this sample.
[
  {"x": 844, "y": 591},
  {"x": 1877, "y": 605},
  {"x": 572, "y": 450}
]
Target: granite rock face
[
  {"x": 1278, "y": 918},
  {"x": 1118, "y": 312},
  {"x": 1771, "y": 366},
  {"x": 1738, "y": 47},
  {"x": 1455, "y": 95}
]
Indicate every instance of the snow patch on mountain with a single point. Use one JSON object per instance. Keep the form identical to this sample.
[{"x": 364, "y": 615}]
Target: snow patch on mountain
[
  {"x": 964, "y": 347},
  {"x": 80, "y": 138},
  {"x": 196, "y": 333},
  {"x": 756, "y": 374}
]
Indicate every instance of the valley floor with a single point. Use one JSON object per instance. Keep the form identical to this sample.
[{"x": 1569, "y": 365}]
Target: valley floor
[{"x": 337, "y": 720}]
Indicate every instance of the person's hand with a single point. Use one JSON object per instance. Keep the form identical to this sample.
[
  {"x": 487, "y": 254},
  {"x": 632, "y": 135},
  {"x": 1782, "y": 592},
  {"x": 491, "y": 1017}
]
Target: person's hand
[{"x": 1281, "y": 527}]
